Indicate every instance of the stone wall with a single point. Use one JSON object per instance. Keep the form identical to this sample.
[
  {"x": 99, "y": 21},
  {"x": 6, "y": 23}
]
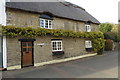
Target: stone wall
[
  {"x": 71, "y": 46},
  {"x": 13, "y": 52},
  {"x": 23, "y": 19}
]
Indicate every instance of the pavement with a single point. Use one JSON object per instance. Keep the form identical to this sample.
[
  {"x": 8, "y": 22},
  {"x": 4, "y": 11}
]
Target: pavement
[{"x": 100, "y": 66}]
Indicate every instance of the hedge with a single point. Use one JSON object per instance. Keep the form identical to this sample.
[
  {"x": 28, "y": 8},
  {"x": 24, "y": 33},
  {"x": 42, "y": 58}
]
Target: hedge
[{"x": 29, "y": 32}]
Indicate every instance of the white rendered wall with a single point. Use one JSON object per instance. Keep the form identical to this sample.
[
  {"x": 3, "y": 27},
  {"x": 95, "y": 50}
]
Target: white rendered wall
[
  {"x": 2, "y": 12},
  {"x": 3, "y": 22}
]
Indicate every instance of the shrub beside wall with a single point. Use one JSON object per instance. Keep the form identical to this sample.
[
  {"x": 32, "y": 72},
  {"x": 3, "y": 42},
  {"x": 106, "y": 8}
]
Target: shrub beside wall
[
  {"x": 111, "y": 35},
  {"x": 108, "y": 45}
]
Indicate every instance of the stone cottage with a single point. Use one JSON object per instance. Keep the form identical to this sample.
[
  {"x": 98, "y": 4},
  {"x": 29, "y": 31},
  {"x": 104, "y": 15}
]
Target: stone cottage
[{"x": 22, "y": 52}]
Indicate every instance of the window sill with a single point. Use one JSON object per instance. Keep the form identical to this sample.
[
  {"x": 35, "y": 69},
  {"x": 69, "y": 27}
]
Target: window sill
[
  {"x": 46, "y": 28},
  {"x": 57, "y": 53},
  {"x": 89, "y": 49}
]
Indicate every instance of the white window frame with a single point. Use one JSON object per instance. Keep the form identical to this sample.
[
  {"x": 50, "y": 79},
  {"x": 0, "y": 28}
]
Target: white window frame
[
  {"x": 88, "y": 28},
  {"x": 45, "y": 24},
  {"x": 57, "y": 45},
  {"x": 88, "y": 44}
]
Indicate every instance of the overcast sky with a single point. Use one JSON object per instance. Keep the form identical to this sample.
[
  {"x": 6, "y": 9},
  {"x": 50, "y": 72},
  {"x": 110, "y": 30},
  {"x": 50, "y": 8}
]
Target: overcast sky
[{"x": 103, "y": 10}]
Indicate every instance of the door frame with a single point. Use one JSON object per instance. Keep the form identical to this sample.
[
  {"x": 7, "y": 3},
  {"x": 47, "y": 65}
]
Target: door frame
[{"x": 27, "y": 40}]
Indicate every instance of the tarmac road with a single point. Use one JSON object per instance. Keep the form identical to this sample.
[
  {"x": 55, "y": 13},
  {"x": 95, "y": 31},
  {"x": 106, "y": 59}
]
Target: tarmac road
[{"x": 104, "y": 66}]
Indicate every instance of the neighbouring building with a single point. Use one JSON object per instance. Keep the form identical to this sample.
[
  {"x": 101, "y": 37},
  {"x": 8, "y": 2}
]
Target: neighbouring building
[{"x": 23, "y": 52}]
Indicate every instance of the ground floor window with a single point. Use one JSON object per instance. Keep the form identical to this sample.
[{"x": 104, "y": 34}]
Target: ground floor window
[
  {"x": 56, "y": 45},
  {"x": 88, "y": 44}
]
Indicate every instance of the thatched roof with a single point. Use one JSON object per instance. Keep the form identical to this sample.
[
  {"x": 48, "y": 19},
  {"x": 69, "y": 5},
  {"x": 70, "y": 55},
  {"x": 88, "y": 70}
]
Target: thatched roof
[{"x": 57, "y": 9}]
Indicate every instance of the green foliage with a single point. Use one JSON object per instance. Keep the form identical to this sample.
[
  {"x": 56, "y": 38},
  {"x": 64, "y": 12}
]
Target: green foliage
[
  {"x": 115, "y": 28},
  {"x": 98, "y": 44},
  {"x": 106, "y": 27},
  {"x": 111, "y": 35},
  {"x": 29, "y": 32},
  {"x": 118, "y": 37},
  {"x": 100, "y": 52},
  {"x": 108, "y": 45}
]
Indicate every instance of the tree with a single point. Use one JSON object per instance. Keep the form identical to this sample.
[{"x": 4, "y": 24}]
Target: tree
[
  {"x": 106, "y": 27},
  {"x": 111, "y": 35},
  {"x": 114, "y": 34},
  {"x": 115, "y": 28}
]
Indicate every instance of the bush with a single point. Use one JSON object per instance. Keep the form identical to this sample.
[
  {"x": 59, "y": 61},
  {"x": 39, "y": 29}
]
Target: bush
[
  {"x": 111, "y": 35},
  {"x": 108, "y": 45},
  {"x": 100, "y": 52}
]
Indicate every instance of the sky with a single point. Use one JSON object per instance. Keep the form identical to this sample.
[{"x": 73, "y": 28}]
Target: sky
[{"x": 102, "y": 10}]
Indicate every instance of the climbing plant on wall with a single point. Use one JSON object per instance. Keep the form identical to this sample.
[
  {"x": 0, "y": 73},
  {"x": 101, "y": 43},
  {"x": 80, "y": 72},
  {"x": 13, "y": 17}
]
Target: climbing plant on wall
[{"x": 28, "y": 32}]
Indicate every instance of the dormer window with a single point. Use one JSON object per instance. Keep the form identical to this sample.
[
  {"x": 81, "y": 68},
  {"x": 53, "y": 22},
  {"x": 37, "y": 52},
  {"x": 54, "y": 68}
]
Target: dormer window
[
  {"x": 46, "y": 21},
  {"x": 88, "y": 27}
]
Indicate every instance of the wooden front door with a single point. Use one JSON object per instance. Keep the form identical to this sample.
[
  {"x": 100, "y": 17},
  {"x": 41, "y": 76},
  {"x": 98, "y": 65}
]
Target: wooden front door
[{"x": 27, "y": 54}]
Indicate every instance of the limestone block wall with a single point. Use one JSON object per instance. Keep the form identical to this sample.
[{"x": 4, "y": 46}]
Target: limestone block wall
[
  {"x": 71, "y": 47},
  {"x": 13, "y": 52},
  {"x": 24, "y": 19}
]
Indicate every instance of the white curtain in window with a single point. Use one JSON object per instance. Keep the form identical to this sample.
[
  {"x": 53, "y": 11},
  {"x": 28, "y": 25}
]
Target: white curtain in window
[{"x": 88, "y": 44}]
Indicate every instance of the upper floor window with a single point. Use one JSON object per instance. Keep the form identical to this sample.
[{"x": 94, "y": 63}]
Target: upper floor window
[
  {"x": 88, "y": 28},
  {"x": 46, "y": 21}
]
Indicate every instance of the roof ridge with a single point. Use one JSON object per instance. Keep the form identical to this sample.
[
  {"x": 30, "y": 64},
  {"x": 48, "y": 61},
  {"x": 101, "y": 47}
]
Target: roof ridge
[{"x": 66, "y": 3}]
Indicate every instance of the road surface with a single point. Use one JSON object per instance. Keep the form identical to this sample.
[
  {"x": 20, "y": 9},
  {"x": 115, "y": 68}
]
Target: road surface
[{"x": 100, "y": 66}]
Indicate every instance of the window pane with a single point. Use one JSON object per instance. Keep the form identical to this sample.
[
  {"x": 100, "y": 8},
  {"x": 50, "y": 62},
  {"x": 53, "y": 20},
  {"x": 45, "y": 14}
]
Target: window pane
[
  {"x": 57, "y": 45},
  {"x": 42, "y": 23},
  {"x": 24, "y": 49},
  {"x": 46, "y": 23},
  {"x": 23, "y": 44},
  {"x": 54, "y": 46},
  {"x": 50, "y": 24},
  {"x": 29, "y": 44},
  {"x": 29, "y": 49}
]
